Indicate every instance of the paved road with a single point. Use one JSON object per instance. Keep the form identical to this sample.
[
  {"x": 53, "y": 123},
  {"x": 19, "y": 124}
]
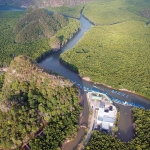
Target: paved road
[{"x": 91, "y": 127}]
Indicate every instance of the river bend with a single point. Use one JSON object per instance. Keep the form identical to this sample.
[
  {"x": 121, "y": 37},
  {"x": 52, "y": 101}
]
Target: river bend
[{"x": 52, "y": 63}]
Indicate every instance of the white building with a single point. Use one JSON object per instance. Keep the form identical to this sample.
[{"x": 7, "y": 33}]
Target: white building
[{"x": 106, "y": 116}]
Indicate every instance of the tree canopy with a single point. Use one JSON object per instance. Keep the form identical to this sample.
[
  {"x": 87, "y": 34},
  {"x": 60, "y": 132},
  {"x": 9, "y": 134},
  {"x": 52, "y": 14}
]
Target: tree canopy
[
  {"x": 33, "y": 33},
  {"x": 116, "y": 51},
  {"x": 35, "y": 101}
]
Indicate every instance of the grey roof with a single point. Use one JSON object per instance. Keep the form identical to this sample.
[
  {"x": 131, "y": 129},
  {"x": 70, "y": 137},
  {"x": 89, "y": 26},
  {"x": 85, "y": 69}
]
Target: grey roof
[
  {"x": 108, "y": 119},
  {"x": 105, "y": 125},
  {"x": 102, "y": 104},
  {"x": 100, "y": 118}
]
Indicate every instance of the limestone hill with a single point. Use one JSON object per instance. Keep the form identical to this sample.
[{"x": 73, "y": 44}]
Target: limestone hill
[
  {"x": 33, "y": 99},
  {"x": 37, "y": 25}
]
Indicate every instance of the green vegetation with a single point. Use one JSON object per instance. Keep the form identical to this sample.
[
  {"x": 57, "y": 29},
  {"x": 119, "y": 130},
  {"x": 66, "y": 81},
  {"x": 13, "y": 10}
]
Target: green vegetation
[
  {"x": 104, "y": 141},
  {"x": 73, "y": 11},
  {"x": 36, "y": 48},
  {"x": 142, "y": 129},
  {"x": 1, "y": 81},
  {"x": 32, "y": 100},
  {"x": 115, "y": 11},
  {"x": 68, "y": 31},
  {"x": 140, "y": 142},
  {"x": 116, "y": 55},
  {"x": 38, "y": 25}
]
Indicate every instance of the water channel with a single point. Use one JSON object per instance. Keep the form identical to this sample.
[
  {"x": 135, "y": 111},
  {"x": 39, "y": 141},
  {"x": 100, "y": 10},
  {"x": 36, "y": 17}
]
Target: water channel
[{"x": 52, "y": 63}]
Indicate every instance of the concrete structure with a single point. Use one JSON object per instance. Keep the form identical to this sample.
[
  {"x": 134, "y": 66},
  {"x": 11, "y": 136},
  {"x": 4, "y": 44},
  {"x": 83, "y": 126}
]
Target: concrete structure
[
  {"x": 104, "y": 112},
  {"x": 96, "y": 97},
  {"x": 106, "y": 116}
]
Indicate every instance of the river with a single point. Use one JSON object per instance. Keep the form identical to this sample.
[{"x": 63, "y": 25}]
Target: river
[{"x": 52, "y": 63}]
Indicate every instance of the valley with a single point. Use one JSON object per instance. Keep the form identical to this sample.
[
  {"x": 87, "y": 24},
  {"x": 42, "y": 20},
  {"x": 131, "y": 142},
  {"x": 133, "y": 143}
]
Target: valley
[{"x": 43, "y": 107}]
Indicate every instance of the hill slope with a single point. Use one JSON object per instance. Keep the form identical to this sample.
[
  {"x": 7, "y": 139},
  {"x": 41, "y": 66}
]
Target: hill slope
[
  {"x": 37, "y": 25},
  {"x": 38, "y": 46},
  {"x": 33, "y": 99}
]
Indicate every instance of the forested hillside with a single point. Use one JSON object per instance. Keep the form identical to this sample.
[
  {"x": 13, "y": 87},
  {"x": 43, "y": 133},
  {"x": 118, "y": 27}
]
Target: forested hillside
[
  {"x": 38, "y": 25},
  {"x": 43, "y": 3},
  {"x": 29, "y": 28},
  {"x": 116, "y": 55},
  {"x": 32, "y": 100},
  {"x": 140, "y": 142}
]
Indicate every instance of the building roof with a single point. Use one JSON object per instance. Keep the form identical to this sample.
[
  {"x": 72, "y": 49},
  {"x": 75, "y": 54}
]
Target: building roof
[
  {"x": 102, "y": 105},
  {"x": 108, "y": 119},
  {"x": 105, "y": 125},
  {"x": 96, "y": 97},
  {"x": 100, "y": 118},
  {"x": 111, "y": 114},
  {"x": 101, "y": 112}
]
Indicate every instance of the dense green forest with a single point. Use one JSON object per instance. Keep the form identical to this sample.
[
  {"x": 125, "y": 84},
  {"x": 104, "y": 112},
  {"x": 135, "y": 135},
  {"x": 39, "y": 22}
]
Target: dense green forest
[
  {"x": 67, "y": 32},
  {"x": 140, "y": 142},
  {"x": 142, "y": 129},
  {"x": 103, "y": 141},
  {"x": 38, "y": 25},
  {"x": 116, "y": 55},
  {"x": 33, "y": 99},
  {"x": 73, "y": 11},
  {"x": 10, "y": 22},
  {"x": 2, "y": 75},
  {"x": 1, "y": 81},
  {"x": 105, "y": 12}
]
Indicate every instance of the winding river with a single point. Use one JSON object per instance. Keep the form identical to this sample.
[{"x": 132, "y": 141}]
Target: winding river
[{"x": 52, "y": 63}]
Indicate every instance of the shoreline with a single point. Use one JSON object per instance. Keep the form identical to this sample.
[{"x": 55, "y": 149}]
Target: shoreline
[
  {"x": 109, "y": 86},
  {"x": 47, "y": 53},
  {"x": 126, "y": 90},
  {"x": 86, "y": 78}
]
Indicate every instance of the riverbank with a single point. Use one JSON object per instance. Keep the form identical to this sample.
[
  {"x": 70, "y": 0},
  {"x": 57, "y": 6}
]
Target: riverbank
[
  {"x": 88, "y": 19},
  {"x": 54, "y": 64},
  {"x": 88, "y": 79},
  {"x": 123, "y": 89}
]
